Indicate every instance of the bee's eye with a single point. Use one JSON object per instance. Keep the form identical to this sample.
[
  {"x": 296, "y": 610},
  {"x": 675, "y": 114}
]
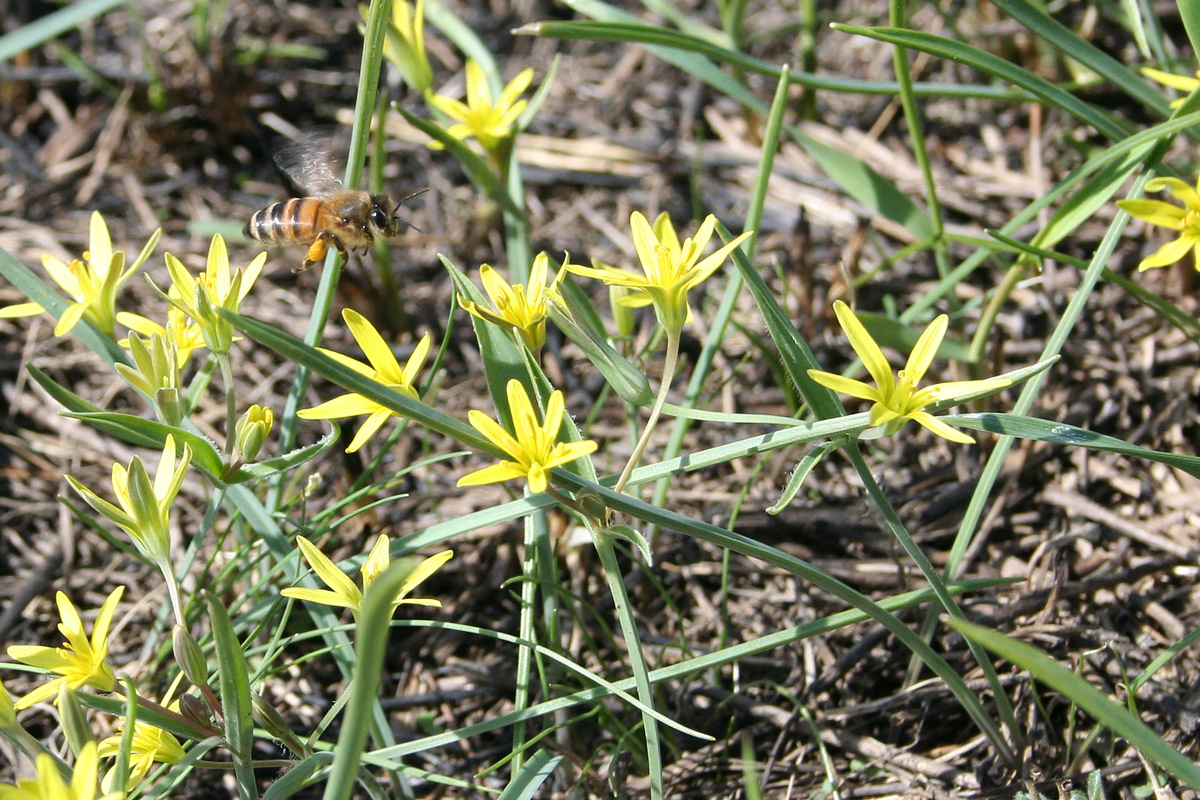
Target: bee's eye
[{"x": 379, "y": 218}]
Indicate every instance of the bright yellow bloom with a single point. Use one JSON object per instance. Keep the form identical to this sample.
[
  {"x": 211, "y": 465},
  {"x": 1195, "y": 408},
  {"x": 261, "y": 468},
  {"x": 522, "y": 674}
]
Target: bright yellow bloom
[
  {"x": 342, "y": 592},
  {"x": 91, "y": 282},
  {"x": 185, "y": 335},
  {"x": 534, "y": 450},
  {"x": 898, "y": 401},
  {"x": 145, "y": 510},
  {"x": 79, "y": 661},
  {"x": 382, "y": 368},
  {"x": 669, "y": 270},
  {"x": 49, "y": 784},
  {"x": 1186, "y": 220},
  {"x": 217, "y": 287},
  {"x": 490, "y": 124},
  {"x": 1180, "y": 82},
  {"x": 150, "y": 744},
  {"x": 404, "y": 45},
  {"x": 518, "y": 307}
]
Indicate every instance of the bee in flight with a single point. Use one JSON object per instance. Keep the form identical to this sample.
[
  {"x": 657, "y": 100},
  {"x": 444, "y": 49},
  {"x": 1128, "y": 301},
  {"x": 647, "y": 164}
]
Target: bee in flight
[{"x": 330, "y": 216}]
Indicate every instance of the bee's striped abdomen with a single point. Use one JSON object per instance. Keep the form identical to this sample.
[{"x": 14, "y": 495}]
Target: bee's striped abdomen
[{"x": 289, "y": 222}]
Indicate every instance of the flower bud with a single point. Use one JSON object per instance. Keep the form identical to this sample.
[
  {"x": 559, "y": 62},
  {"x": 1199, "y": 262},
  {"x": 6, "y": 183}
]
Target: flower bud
[
  {"x": 195, "y": 708},
  {"x": 189, "y": 656},
  {"x": 8, "y": 712},
  {"x": 273, "y": 723},
  {"x": 253, "y": 428}
]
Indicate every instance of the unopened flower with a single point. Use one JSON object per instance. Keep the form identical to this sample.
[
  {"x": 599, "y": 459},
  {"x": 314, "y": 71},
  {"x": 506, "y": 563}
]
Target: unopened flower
[
  {"x": 896, "y": 398},
  {"x": 382, "y": 367},
  {"x": 91, "y": 282},
  {"x": 1185, "y": 220},
  {"x": 669, "y": 269},
  {"x": 490, "y": 124},
  {"x": 145, "y": 507},
  {"x": 535, "y": 448},
  {"x": 342, "y": 592},
  {"x": 80, "y": 661},
  {"x": 404, "y": 44}
]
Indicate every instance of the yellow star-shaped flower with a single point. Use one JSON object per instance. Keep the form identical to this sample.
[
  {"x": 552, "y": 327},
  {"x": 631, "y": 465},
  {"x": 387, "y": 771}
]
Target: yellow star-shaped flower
[
  {"x": 80, "y": 661},
  {"x": 1185, "y": 220},
  {"x": 490, "y": 124},
  {"x": 342, "y": 593},
  {"x": 669, "y": 269},
  {"x": 518, "y": 307},
  {"x": 382, "y": 368},
  {"x": 49, "y": 784},
  {"x": 91, "y": 282},
  {"x": 534, "y": 450},
  {"x": 896, "y": 398}
]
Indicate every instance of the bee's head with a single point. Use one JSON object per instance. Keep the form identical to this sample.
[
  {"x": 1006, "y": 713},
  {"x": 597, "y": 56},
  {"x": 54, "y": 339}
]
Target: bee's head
[
  {"x": 390, "y": 223},
  {"x": 383, "y": 220}
]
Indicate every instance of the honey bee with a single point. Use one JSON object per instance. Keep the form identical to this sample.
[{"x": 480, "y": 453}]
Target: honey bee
[{"x": 330, "y": 216}]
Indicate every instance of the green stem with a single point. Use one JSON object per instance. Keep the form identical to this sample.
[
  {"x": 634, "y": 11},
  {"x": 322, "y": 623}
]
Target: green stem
[
  {"x": 637, "y": 660},
  {"x": 671, "y": 363},
  {"x": 230, "y": 406}
]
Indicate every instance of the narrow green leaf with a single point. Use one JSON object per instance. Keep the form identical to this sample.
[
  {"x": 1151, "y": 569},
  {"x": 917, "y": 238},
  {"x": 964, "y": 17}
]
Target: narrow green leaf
[
  {"x": 149, "y": 433},
  {"x": 54, "y": 24},
  {"x": 1072, "y": 45},
  {"x": 1060, "y": 433},
  {"x": 1112, "y": 714},
  {"x": 248, "y": 473},
  {"x": 370, "y": 643},
  {"x": 524, "y": 784},
  {"x": 297, "y": 777},
  {"x": 867, "y": 186},
  {"x": 994, "y": 65},
  {"x": 1189, "y": 12},
  {"x": 235, "y": 697}
]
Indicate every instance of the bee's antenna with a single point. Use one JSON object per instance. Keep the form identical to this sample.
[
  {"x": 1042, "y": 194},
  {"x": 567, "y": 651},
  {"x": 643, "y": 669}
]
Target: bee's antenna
[{"x": 396, "y": 210}]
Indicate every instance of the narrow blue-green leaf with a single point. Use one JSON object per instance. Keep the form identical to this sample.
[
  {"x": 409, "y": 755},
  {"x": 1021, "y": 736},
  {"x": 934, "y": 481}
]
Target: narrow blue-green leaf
[
  {"x": 630, "y": 29},
  {"x": 370, "y": 643},
  {"x": 1163, "y": 658},
  {"x": 810, "y": 460},
  {"x": 68, "y": 399},
  {"x": 1189, "y": 12},
  {"x": 1060, "y": 433},
  {"x": 1161, "y": 306},
  {"x": 867, "y": 186},
  {"x": 1081, "y": 206},
  {"x": 794, "y": 351},
  {"x": 264, "y": 469},
  {"x": 709, "y": 661},
  {"x": 40, "y": 292},
  {"x": 524, "y": 784},
  {"x": 1074, "y": 687},
  {"x": 297, "y": 777},
  {"x": 235, "y": 697},
  {"x": 152, "y": 434},
  {"x": 994, "y": 65},
  {"x": 1071, "y": 45},
  {"x": 120, "y": 771},
  {"x": 45, "y": 28},
  {"x": 740, "y": 544}
]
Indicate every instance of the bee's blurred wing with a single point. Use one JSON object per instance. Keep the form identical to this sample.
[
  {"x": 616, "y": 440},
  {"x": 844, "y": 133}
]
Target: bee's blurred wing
[{"x": 311, "y": 162}]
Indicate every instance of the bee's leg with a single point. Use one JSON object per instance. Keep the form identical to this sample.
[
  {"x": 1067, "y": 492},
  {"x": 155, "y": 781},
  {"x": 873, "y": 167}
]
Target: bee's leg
[{"x": 318, "y": 249}]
